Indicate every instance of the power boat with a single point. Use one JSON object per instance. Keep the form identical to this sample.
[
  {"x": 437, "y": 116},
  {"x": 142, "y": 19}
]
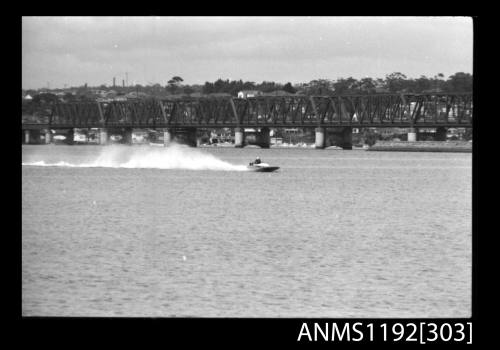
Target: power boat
[{"x": 262, "y": 167}]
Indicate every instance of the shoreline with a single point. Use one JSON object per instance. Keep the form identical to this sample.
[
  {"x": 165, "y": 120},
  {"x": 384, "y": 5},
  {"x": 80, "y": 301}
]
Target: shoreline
[
  {"x": 422, "y": 146},
  {"x": 380, "y": 146}
]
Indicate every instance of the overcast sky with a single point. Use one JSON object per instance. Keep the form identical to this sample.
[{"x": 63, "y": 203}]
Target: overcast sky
[{"x": 93, "y": 50}]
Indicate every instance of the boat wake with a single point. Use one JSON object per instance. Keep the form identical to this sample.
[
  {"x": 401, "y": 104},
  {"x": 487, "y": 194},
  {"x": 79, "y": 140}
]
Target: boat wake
[{"x": 172, "y": 157}]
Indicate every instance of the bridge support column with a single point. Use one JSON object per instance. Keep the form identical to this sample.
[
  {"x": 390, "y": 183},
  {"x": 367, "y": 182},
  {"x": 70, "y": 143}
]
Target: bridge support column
[
  {"x": 191, "y": 137},
  {"x": 239, "y": 137},
  {"x": 103, "y": 136},
  {"x": 48, "y": 137},
  {"x": 440, "y": 134},
  {"x": 26, "y": 136},
  {"x": 167, "y": 137},
  {"x": 412, "y": 135},
  {"x": 320, "y": 138},
  {"x": 70, "y": 136},
  {"x": 127, "y": 136}
]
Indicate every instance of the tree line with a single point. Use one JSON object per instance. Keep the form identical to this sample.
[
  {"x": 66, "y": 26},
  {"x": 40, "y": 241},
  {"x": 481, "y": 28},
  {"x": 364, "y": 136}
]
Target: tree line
[{"x": 392, "y": 83}]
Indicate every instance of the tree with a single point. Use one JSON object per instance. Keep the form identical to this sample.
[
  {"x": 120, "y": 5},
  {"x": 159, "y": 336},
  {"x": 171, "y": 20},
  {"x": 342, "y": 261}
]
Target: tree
[
  {"x": 319, "y": 87},
  {"x": 367, "y": 86},
  {"x": 188, "y": 90},
  {"x": 396, "y": 82},
  {"x": 46, "y": 97},
  {"x": 345, "y": 86},
  {"x": 438, "y": 82},
  {"x": 208, "y": 88},
  {"x": 174, "y": 84},
  {"x": 422, "y": 84},
  {"x": 68, "y": 97},
  {"x": 268, "y": 86},
  {"x": 176, "y": 80},
  {"x": 289, "y": 88},
  {"x": 248, "y": 85},
  {"x": 459, "y": 82},
  {"x": 221, "y": 85}
]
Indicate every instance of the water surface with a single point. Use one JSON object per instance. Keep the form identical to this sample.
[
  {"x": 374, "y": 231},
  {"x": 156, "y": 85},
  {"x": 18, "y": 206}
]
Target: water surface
[{"x": 331, "y": 234}]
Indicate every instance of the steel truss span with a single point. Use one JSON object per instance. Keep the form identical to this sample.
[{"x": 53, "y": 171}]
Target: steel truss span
[{"x": 391, "y": 110}]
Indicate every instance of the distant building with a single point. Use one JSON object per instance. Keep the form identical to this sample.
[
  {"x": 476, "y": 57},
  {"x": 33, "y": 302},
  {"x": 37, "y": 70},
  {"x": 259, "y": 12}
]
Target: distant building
[
  {"x": 390, "y": 131},
  {"x": 110, "y": 94},
  {"x": 249, "y": 93},
  {"x": 276, "y": 140},
  {"x": 221, "y": 136},
  {"x": 28, "y": 97}
]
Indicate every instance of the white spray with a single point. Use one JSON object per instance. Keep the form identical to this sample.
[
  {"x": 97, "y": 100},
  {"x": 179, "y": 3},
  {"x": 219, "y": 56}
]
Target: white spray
[{"x": 172, "y": 157}]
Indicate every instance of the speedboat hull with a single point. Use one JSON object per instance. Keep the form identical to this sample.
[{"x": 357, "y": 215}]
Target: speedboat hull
[{"x": 263, "y": 169}]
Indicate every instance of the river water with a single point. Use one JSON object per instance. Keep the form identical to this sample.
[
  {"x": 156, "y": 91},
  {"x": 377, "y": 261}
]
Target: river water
[{"x": 173, "y": 232}]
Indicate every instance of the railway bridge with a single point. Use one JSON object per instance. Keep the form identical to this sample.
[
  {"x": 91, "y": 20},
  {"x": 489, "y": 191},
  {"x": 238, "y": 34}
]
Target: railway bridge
[{"x": 332, "y": 117}]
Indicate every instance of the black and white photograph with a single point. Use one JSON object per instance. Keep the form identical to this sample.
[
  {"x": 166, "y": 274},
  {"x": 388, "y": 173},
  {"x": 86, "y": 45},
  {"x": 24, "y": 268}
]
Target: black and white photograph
[{"x": 247, "y": 166}]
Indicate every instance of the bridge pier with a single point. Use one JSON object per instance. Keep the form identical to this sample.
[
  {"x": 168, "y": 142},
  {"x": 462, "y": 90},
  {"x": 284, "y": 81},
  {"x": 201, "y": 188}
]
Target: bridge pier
[
  {"x": 167, "y": 137},
  {"x": 412, "y": 135},
  {"x": 70, "y": 136},
  {"x": 103, "y": 136},
  {"x": 48, "y": 137},
  {"x": 239, "y": 137},
  {"x": 127, "y": 136},
  {"x": 320, "y": 138},
  {"x": 27, "y": 136}
]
